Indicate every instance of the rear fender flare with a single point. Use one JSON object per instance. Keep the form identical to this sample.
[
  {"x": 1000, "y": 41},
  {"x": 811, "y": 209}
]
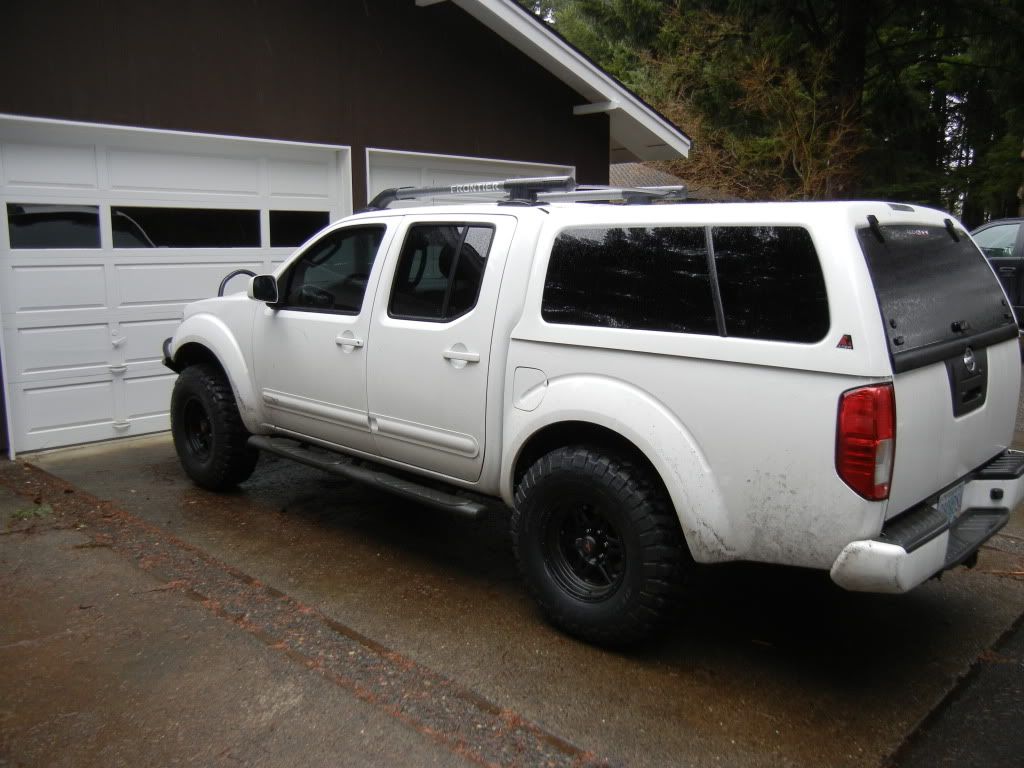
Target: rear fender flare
[{"x": 654, "y": 430}]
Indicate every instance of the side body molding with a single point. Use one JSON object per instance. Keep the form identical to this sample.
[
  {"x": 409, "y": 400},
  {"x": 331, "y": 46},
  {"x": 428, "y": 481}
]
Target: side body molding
[
  {"x": 640, "y": 418},
  {"x": 211, "y": 332}
]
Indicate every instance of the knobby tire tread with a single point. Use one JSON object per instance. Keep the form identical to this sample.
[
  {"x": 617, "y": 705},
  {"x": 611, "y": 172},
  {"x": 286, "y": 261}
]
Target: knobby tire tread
[
  {"x": 232, "y": 460},
  {"x": 665, "y": 556}
]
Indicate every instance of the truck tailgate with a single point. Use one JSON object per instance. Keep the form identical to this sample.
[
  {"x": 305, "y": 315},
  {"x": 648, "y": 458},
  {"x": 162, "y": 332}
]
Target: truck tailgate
[{"x": 934, "y": 446}]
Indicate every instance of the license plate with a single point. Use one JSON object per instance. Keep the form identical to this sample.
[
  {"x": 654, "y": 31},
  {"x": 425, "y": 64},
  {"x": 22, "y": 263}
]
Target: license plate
[{"x": 949, "y": 503}]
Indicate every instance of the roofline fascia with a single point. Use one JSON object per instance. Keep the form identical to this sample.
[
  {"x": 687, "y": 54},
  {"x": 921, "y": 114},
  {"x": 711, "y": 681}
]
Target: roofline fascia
[{"x": 564, "y": 54}]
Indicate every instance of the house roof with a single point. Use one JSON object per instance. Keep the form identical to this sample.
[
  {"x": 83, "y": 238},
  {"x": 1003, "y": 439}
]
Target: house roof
[
  {"x": 637, "y": 130},
  {"x": 640, "y": 175}
]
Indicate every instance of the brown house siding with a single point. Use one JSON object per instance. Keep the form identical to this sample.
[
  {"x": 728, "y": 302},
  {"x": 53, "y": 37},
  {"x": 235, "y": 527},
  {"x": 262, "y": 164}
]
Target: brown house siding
[{"x": 378, "y": 73}]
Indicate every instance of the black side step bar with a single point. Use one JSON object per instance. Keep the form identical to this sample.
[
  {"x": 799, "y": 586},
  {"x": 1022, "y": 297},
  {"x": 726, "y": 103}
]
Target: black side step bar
[{"x": 375, "y": 476}]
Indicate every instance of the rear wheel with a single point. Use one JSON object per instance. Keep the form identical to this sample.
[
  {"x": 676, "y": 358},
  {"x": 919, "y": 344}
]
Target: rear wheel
[
  {"x": 211, "y": 441},
  {"x": 598, "y": 545}
]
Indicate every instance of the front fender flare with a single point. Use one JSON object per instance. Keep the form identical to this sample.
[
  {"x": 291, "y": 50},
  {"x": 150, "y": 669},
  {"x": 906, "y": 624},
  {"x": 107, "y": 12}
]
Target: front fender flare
[
  {"x": 643, "y": 420},
  {"x": 211, "y": 332}
]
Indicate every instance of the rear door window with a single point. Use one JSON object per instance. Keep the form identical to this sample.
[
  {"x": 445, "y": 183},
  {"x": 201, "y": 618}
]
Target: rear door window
[
  {"x": 440, "y": 271},
  {"x": 936, "y": 293}
]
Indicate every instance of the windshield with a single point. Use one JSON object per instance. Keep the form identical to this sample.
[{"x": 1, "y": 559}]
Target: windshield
[{"x": 936, "y": 293}]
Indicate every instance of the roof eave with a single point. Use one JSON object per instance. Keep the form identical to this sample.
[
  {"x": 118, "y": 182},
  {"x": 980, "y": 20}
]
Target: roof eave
[{"x": 637, "y": 131}]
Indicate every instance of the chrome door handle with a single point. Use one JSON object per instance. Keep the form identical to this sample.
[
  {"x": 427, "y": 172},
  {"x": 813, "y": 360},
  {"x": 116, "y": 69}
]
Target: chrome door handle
[
  {"x": 469, "y": 357},
  {"x": 348, "y": 341}
]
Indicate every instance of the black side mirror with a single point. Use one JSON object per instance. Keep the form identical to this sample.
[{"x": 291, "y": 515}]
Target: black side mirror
[{"x": 263, "y": 288}]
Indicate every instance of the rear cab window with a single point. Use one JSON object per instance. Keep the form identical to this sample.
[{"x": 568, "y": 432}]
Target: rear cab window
[{"x": 936, "y": 293}]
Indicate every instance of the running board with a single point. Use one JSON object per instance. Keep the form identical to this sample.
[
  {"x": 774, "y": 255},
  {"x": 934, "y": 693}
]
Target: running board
[{"x": 377, "y": 477}]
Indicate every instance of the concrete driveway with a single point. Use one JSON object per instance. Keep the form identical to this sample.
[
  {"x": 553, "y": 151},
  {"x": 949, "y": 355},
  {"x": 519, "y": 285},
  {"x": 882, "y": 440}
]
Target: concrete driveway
[{"x": 306, "y": 621}]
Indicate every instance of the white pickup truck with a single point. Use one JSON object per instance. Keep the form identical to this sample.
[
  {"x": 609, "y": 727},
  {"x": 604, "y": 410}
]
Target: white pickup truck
[{"x": 826, "y": 385}]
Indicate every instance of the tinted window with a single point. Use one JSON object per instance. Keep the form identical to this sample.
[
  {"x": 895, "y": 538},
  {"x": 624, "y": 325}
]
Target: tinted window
[
  {"x": 439, "y": 271},
  {"x": 644, "y": 278},
  {"x": 291, "y": 228},
  {"x": 771, "y": 283},
  {"x": 928, "y": 285},
  {"x": 53, "y": 226},
  {"x": 331, "y": 274},
  {"x": 135, "y": 227},
  {"x": 997, "y": 241}
]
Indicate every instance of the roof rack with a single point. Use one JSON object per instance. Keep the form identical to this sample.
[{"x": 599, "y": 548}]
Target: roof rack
[
  {"x": 534, "y": 190},
  {"x": 632, "y": 195},
  {"x": 519, "y": 190}
]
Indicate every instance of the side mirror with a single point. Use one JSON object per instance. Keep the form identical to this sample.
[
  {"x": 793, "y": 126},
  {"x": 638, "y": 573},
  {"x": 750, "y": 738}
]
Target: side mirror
[{"x": 263, "y": 288}]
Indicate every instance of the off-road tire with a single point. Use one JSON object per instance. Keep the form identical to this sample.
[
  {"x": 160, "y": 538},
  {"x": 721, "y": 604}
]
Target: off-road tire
[
  {"x": 209, "y": 436},
  {"x": 555, "y": 503}
]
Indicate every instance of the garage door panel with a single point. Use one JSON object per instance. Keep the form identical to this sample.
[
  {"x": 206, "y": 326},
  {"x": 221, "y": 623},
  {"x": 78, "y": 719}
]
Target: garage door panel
[
  {"x": 148, "y": 396},
  {"x": 59, "y": 351},
  {"x": 163, "y": 284},
  {"x": 300, "y": 179},
  {"x": 171, "y": 172},
  {"x": 144, "y": 340},
  {"x": 37, "y": 165},
  {"x": 44, "y": 287},
  {"x": 71, "y": 412}
]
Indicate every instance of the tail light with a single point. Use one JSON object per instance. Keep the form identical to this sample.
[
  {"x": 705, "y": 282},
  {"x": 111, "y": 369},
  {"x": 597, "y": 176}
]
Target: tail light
[{"x": 866, "y": 440}]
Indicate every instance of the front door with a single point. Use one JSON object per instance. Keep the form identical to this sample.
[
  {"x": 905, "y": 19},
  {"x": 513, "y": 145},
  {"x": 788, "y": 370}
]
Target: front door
[
  {"x": 310, "y": 348},
  {"x": 431, "y": 353}
]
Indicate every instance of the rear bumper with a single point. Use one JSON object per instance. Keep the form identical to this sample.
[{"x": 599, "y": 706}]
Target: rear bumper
[{"x": 923, "y": 541}]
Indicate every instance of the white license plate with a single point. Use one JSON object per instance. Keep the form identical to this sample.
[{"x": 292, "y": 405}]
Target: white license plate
[{"x": 949, "y": 503}]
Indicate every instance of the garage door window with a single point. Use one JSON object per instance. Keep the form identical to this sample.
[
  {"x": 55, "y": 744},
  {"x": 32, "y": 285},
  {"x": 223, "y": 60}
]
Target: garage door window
[
  {"x": 137, "y": 227},
  {"x": 291, "y": 228},
  {"x": 53, "y": 226}
]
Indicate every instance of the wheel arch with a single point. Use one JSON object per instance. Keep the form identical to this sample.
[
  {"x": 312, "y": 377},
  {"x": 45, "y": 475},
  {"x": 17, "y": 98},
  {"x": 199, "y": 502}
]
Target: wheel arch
[
  {"x": 204, "y": 338},
  {"x": 576, "y": 410}
]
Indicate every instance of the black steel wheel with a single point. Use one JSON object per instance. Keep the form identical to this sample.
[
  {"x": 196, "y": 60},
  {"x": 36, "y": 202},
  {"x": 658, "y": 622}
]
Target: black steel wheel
[
  {"x": 209, "y": 437},
  {"x": 583, "y": 551},
  {"x": 598, "y": 544}
]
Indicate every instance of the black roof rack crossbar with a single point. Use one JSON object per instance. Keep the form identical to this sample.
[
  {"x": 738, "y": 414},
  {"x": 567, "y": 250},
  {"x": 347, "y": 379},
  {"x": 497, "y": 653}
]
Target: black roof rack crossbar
[{"x": 525, "y": 190}]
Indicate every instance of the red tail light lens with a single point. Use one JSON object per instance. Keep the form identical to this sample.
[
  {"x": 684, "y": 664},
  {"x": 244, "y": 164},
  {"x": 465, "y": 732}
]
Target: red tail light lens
[{"x": 866, "y": 440}]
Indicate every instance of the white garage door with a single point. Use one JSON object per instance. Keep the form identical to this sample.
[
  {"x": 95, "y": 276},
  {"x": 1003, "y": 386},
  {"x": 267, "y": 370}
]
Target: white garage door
[
  {"x": 386, "y": 169},
  {"x": 106, "y": 233}
]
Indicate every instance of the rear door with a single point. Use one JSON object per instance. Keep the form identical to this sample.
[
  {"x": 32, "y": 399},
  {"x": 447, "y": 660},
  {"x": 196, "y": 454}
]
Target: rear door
[
  {"x": 431, "y": 329},
  {"x": 953, "y": 344}
]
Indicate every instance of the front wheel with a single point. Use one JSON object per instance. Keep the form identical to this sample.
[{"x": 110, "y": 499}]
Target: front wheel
[
  {"x": 211, "y": 441},
  {"x": 598, "y": 545}
]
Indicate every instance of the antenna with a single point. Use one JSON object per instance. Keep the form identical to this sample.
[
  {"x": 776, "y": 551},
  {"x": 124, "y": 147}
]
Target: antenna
[{"x": 525, "y": 190}]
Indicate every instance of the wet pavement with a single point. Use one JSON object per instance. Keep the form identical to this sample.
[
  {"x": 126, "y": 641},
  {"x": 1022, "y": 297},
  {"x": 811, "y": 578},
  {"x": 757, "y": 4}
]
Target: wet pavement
[{"x": 304, "y": 620}]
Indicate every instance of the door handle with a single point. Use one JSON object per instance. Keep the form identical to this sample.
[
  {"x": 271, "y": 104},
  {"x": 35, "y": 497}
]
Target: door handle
[
  {"x": 454, "y": 354},
  {"x": 348, "y": 341},
  {"x": 1007, "y": 270}
]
